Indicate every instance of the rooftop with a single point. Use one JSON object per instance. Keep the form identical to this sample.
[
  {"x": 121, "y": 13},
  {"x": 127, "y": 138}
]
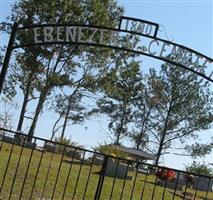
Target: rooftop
[{"x": 137, "y": 153}]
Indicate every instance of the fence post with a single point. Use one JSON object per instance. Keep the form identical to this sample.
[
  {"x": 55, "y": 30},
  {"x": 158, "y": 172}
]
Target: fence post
[{"x": 101, "y": 178}]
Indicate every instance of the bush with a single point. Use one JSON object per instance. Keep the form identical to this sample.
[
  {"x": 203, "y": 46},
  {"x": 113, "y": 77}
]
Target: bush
[
  {"x": 111, "y": 150},
  {"x": 199, "y": 168},
  {"x": 69, "y": 151}
]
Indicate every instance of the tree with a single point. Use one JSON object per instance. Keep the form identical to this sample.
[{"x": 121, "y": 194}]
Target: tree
[
  {"x": 111, "y": 150},
  {"x": 199, "y": 168},
  {"x": 120, "y": 87},
  {"x": 9, "y": 87},
  {"x": 55, "y": 76},
  {"x": 6, "y": 114},
  {"x": 27, "y": 78},
  {"x": 143, "y": 106},
  {"x": 183, "y": 107},
  {"x": 58, "y": 64},
  {"x": 70, "y": 108},
  {"x": 59, "y": 148},
  {"x": 199, "y": 149},
  {"x": 6, "y": 119}
]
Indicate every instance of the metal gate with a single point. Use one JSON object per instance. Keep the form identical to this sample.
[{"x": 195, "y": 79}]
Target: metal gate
[{"x": 39, "y": 169}]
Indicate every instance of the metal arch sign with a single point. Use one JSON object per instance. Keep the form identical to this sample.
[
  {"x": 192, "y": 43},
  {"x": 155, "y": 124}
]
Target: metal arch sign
[{"x": 146, "y": 32}]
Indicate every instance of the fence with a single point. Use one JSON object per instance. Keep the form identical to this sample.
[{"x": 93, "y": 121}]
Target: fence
[{"x": 35, "y": 168}]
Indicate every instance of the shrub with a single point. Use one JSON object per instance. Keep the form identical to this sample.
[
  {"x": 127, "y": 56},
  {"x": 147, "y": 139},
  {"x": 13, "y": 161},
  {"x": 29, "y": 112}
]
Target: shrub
[
  {"x": 111, "y": 150},
  {"x": 69, "y": 151},
  {"x": 199, "y": 168}
]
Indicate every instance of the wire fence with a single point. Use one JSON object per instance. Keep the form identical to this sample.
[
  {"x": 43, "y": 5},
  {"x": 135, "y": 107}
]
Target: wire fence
[{"x": 40, "y": 169}]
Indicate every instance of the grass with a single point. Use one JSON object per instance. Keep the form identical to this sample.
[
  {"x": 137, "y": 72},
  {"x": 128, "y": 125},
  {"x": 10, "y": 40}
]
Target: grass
[{"x": 41, "y": 185}]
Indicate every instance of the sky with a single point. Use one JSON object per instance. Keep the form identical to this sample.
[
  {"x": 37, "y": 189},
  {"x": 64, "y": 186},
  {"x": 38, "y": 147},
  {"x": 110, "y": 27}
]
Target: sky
[{"x": 188, "y": 22}]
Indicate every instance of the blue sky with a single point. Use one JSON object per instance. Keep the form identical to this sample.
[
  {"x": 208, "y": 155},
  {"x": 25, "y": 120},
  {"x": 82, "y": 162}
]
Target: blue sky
[{"x": 188, "y": 22}]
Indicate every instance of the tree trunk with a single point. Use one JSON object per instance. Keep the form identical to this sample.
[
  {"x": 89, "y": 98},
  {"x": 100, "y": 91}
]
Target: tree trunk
[
  {"x": 37, "y": 112},
  {"x": 140, "y": 137},
  {"x": 143, "y": 129},
  {"x": 54, "y": 130},
  {"x": 117, "y": 140},
  {"x": 68, "y": 109},
  {"x": 24, "y": 104},
  {"x": 162, "y": 140},
  {"x": 119, "y": 131},
  {"x": 142, "y": 133},
  {"x": 65, "y": 120},
  {"x": 164, "y": 132},
  {"x": 160, "y": 148},
  {"x": 43, "y": 96}
]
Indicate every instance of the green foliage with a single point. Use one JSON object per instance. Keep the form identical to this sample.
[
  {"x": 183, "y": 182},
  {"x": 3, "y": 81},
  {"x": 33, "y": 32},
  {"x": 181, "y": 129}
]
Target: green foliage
[
  {"x": 111, "y": 150},
  {"x": 73, "y": 104},
  {"x": 120, "y": 87},
  {"x": 42, "y": 70},
  {"x": 154, "y": 111},
  {"x": 157, "y": 109},
  {"x": 182, "y": 106},
  {"x": 199, "y": 150},
  {"x": 65, "y": 141},
  {"x": 199, "y": 168},
  {"x": 6, "y": 119},
  {"x": 143, "y": 106}
]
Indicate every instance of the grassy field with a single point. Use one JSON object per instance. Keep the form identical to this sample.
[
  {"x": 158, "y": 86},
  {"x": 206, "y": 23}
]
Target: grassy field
[{"x": 28, "y": 182}]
